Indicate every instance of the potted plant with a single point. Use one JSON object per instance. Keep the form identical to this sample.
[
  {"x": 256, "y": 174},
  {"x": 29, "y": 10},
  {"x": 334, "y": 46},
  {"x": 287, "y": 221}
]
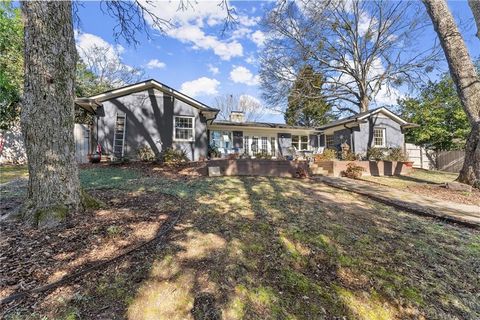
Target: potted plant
[{"x": 96, "y": 157}]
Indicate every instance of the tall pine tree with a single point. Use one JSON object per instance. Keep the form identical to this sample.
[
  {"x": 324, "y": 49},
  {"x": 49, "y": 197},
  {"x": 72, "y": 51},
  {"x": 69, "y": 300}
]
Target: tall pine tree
[{"x": 306, "y": 106}]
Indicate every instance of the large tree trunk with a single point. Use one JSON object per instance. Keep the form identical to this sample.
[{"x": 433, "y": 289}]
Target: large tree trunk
[
  {"x": 47, "y": 115},
  {"x": 466, "y": 80}
]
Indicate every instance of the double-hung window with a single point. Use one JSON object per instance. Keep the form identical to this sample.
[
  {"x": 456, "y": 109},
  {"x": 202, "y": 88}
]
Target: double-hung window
[
  {"x": 273, "y": 146},
  {"x": 329, "y": 141},
  {"x": 300, "y": 142},
  {"x": 379, "y": 137},
  {"x": 183, "y": 128},
  {"x": 264, "y": 145}
]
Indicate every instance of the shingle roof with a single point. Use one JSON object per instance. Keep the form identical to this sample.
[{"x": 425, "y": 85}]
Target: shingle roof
[{"x": 259, "y": 124}]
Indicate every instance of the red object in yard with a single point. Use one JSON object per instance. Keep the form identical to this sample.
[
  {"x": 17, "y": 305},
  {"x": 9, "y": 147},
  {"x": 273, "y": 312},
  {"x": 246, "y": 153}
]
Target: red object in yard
[
  {"x": 99, "y": 149},
  {"x": 408, "y": 164}
]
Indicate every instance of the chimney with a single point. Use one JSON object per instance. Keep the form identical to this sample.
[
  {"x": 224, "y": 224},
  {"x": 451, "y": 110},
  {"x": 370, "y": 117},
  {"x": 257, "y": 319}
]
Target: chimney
[{"x": 237, "y": 116}]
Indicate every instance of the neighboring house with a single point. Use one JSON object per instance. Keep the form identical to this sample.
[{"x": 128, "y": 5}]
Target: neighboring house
[{"x": 152, "y": 114}]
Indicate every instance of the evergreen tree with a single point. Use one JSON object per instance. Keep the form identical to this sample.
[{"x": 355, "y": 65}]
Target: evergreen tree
[
  {"x": 306, "y": 106},
  {"x": 438, "y": 111}
]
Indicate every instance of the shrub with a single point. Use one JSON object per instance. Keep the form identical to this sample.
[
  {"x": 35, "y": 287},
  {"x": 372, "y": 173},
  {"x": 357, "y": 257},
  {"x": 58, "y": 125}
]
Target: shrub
[
  {"x": 146, "y": 153},
  {"x": 328, "y": 154},
  {"x": 174, "y": 157},
  {"x": 263, "y": 155},
  {"x": 213, "y": 152},
  {"x": 349, "y": 156},
  {"x": 233, "y": 156},
  {"x": 396, "y": 154},
  {"x": 301, "y": 173},
  {"x": 353, "y": 171},
  {"x": 376, "y": 154}
]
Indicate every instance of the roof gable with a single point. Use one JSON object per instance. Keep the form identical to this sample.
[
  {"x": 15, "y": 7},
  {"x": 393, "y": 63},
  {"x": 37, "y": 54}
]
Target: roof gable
[
  {"x": 360, "y": 117},
  {"x": 145, "y": 85}
]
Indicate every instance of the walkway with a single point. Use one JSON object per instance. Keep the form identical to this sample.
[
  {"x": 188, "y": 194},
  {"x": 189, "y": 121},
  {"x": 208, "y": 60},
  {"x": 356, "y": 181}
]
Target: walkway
[{"x": 432, "y": 207}]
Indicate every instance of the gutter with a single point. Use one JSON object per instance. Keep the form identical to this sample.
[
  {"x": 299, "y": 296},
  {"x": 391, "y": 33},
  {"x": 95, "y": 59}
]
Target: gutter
[{"x": 90, "y": 105}]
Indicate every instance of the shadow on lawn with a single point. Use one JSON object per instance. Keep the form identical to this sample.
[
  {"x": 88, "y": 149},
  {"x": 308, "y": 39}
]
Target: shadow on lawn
[{"x": 269, "y": 248}]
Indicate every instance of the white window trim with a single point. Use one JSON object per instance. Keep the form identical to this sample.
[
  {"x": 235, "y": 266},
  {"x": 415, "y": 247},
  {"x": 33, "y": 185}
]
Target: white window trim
[
  {"x": 193, "y": 129},
  {"x": 300, "y": 141},
  {"x": 333, "y": 141},
  {"x": 384, "y": 138}
]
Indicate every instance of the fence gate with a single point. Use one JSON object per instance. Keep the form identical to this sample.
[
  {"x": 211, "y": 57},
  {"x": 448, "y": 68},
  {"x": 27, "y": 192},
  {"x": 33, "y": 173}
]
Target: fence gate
[{"x": 82, "y": 142}]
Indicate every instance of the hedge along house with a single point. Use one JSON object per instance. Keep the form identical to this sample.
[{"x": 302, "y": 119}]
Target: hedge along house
[
  {"x": 152, "y": 114},
  {"x": 378, "y": 128}
]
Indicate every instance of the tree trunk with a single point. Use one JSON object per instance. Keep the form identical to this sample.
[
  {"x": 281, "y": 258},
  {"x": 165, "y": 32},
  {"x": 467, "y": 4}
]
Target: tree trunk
[
  {"x": 475, "y": 7},
  {"x": 47, "y": 115},
  {"x": 466, "y": 80},
  {"x": 364, "y": 102}
]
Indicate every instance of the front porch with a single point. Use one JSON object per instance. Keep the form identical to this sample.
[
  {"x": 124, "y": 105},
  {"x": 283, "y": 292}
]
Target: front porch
[{"x": 261, "y": 144}]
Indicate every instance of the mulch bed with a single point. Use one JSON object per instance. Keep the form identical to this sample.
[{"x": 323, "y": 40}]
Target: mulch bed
[{"x": 30, "y": 258}]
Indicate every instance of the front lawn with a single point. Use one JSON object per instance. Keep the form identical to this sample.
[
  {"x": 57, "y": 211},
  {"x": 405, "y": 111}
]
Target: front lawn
[
  {"x": 273, "y": 248},
  {"x": 12, "y": 172},
  {"x": 429, "y": 183}
]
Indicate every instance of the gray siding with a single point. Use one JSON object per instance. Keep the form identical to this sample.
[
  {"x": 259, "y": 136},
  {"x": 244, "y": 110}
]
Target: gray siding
[
  {"x": 363, "y": 138},
  {"x": 150, "y": 122},
  {"x": 342, "y": 136}
]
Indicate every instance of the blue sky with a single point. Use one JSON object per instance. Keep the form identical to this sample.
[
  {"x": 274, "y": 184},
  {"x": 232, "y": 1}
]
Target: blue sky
[{"x": 195, "y": 57}]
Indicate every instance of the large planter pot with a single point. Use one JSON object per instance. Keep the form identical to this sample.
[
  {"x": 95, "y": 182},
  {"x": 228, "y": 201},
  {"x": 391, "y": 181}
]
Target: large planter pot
[
  {"x": 408, "y": 164},
  {"x": 95, "y": 158}
]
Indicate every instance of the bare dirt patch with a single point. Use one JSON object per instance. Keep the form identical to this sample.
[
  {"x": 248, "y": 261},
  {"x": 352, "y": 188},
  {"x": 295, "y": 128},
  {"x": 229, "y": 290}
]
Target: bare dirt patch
[
  {"x": 31, "y": 257},
  {"x": 440, "y": 192}
]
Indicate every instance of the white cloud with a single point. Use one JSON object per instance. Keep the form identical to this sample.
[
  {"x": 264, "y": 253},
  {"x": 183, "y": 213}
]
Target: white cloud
[
  {"x": 387, "y": 96},
  {"x": 199, "y": 40},
  {"x": 188, "y": 23},
  {"x": 104, "y": 58},
  {"x": 200, "y": 87},
  {"x": 251, "y": 59},
  {"x": 258, "y": 37},
  {"x": 214, "y": 70},
  {"x": 240, "y": 74},
  {"x": 155, "y": 64},
  {"x": 248, "y": 21},
  {"x": 86, "y": 42}
]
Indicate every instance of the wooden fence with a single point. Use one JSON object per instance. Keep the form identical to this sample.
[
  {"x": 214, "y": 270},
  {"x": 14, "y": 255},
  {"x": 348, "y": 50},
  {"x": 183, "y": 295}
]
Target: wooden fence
[{"x": 450, "y": 161}]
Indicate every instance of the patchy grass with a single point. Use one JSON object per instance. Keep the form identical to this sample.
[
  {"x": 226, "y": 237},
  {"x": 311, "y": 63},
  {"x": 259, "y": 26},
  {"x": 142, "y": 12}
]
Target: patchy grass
[
  {"x": 12, "y": 172},
  {"x": 107, "y": 177},
  {"x": 428, "y": 183},
  {"x": 418, "y": 176},
  {"x": 274, "y": 248}
]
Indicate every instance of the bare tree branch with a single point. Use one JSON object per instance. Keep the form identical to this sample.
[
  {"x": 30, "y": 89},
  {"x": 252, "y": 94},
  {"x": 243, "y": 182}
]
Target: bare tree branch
[{"x": 360, "y": 47}]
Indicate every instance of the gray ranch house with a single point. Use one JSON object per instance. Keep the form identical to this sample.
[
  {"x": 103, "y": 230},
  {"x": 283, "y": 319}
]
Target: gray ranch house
[{"x": 152, "y": 114}]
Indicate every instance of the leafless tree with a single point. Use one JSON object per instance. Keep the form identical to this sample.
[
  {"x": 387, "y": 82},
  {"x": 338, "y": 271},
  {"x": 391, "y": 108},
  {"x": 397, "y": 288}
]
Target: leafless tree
[
  {"x": 467, "y": 82},
  {"x": 252, "y": 108},
  {"x": 361, "y": 48},
  {"x": 47, "y": 114},
  {"x": 105, "y": 63}
]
